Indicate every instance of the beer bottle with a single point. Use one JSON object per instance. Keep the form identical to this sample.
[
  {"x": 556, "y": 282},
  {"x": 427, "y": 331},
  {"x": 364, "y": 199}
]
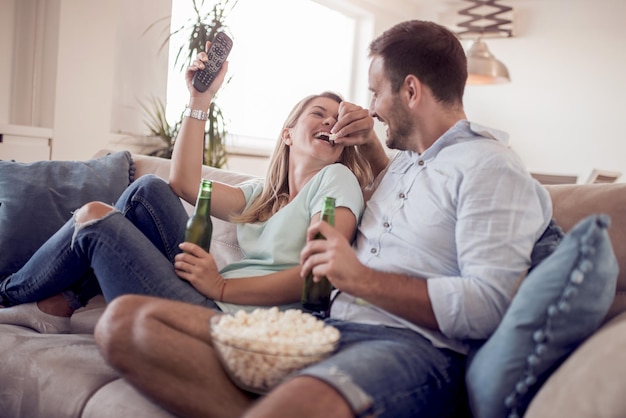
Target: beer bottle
[
  {"x": 199, "y": 226},
  {"x": 316, "y": 296}
]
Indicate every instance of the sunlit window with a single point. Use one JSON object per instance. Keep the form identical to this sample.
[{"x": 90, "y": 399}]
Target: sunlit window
[{"x": 283, "y": 50}]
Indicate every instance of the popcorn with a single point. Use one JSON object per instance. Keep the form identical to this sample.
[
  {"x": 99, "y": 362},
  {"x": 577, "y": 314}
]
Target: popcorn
[{"x": 258, "y": 349}]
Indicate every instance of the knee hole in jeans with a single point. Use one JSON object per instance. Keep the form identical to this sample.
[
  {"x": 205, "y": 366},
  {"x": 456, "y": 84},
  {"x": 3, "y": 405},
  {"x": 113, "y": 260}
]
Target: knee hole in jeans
[{"x": 92, "y": 211}]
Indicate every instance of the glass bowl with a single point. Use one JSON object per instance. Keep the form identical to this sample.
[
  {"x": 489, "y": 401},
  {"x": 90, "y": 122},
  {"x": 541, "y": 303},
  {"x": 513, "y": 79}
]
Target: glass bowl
[{"x": 258, "y": 357}]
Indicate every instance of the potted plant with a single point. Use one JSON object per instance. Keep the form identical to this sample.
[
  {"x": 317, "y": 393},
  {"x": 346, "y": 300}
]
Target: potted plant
[
  {"x": 159, "y": 127},
  {"x": 202, "y": 27}
]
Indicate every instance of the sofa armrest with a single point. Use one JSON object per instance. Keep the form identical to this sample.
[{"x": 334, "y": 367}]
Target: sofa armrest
[{"x": 590, "y": 382}]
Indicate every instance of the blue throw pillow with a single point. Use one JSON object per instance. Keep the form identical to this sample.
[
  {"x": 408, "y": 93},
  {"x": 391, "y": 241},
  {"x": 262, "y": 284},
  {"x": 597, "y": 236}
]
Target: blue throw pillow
[
  {"x": 561, "y": 302},
  {"x": 36, "y": 199}
]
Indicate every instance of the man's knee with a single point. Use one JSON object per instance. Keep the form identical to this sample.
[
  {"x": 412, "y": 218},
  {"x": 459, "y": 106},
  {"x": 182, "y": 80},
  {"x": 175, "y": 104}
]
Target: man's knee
[{"x": 114, "y": 330}]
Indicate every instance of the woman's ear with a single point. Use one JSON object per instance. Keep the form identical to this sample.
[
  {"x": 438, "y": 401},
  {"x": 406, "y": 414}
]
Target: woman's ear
[{"x": 285, "y": 135}]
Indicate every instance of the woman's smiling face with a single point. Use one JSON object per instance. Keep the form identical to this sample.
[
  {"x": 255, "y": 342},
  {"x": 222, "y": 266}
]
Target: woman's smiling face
[{"x": 309, "y": 138}]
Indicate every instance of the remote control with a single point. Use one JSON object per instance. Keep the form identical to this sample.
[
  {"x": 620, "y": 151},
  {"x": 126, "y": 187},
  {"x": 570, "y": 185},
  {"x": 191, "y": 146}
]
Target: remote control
[{"x": 217, "y": 54}]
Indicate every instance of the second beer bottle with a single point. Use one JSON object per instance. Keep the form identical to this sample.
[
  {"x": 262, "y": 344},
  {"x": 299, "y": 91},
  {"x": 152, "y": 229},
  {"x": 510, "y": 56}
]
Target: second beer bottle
[
  {"x": 199, "y": 226},
  {"x": 316, "y": 295}
]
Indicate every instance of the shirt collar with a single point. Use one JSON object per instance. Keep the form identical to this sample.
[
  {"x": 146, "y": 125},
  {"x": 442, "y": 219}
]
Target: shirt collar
[
  {"x": 461, "y": 131},
  {"x": 488, "y": 132}
]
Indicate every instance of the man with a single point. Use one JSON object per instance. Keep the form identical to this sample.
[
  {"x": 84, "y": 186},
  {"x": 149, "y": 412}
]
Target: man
[{"x": 444, "y": 237}]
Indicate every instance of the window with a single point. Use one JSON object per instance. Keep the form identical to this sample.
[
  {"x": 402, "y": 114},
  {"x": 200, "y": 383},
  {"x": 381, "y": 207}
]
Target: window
[{"x": 283, "y": 50}]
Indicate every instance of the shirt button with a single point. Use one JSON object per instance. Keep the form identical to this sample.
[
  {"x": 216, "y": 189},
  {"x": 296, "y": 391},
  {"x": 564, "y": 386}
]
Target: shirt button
[
  {"x": 401, "y": 195},
  {"x": 420, "y": 162},
  {"x": 386, "y": 224},
  {"x": 373, "y": 251}
]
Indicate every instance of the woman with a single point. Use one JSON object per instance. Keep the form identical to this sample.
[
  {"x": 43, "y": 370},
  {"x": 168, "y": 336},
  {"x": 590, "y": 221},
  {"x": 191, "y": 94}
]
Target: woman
[{"x": 137, "y": 246}]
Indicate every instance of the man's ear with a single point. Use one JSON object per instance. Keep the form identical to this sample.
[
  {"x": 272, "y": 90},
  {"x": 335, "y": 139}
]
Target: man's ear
[
  {"x": 285, "y": 135},
  {"x": 413, "y": 89}
]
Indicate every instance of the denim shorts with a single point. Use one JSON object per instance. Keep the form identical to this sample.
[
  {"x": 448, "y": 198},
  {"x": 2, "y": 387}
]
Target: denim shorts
[{"x": 392, "y": 372}]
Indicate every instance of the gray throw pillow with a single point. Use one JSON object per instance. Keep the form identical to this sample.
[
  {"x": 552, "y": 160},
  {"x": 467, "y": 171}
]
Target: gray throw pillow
[
  {"x": 561, "y": 302},
  {"x": 36, "y": 199}
]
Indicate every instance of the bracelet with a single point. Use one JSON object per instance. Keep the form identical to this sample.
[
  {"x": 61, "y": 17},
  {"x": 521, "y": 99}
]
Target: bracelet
[
  {"x": 221, "y": 299},
  {"x": 196, "y": 114}
]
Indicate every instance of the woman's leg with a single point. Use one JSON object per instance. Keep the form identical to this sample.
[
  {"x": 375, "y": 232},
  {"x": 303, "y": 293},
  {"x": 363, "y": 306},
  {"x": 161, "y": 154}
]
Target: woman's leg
[
  {"x": 50, "y": 271},
  {"x": 125, "y": 261},
  {"x": 151, "y": 205},
  {"x": 123, "y": 258},
  {"x": 53, "y": 268},
  {"x": 155, "y": 210},
  {"x": 148, "y": 203}
]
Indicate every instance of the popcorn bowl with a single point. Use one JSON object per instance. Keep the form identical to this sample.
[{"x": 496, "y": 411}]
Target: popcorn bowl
[{"x": 259, "y": 349}]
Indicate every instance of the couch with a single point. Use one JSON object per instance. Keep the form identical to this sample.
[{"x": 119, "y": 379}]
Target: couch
[{"x": 65, "y": 376}]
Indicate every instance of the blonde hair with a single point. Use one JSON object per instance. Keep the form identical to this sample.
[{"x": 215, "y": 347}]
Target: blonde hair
[{"x": 275, "y": 193}]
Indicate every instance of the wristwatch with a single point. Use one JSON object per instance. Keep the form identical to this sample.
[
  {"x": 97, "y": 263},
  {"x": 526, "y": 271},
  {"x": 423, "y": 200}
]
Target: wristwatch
[{"x": 196, "y": 114}]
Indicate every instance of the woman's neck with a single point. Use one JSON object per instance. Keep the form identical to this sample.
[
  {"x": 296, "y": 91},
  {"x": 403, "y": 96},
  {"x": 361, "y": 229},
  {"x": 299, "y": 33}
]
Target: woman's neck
[{"x": 299, "y": 176}]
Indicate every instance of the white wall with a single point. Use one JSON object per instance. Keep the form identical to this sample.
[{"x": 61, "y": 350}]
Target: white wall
[
  {"x": 7, "y": 13},
  {"x": 86, "y": 64},
  {"x": 97, "y": 64},
  {"x": 565, "y": 105},
  {"x": 563, "y": 108}
]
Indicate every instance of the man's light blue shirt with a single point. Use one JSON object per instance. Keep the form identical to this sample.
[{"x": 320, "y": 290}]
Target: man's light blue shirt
[{"x": 465, "y": 215}]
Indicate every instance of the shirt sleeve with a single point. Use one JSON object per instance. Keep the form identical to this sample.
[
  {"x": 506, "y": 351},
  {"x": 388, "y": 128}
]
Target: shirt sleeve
[
  {"x": 251, "y": 189},
  {"x": 337, "y": 181},
  {"x": 496, "y": 220}
]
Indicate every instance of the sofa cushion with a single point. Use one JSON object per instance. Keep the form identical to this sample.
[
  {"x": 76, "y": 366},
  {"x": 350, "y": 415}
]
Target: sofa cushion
[
  {"x": 558, "y": 305},
  {"x": 36, "y": 199},
  {"x": 50, "y": 376},
  {"x": 590, "y": 382},
  {"x": 573, "y": 202},
  {"x": 121, "y": 400},
  {"x": 44, "y": 375}
]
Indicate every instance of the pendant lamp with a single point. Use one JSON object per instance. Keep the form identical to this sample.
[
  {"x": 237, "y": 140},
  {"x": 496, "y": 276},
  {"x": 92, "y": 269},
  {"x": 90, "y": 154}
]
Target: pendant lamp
[
  {"x": 484, "y": 20},
  {"x": 483, "y": 67}
]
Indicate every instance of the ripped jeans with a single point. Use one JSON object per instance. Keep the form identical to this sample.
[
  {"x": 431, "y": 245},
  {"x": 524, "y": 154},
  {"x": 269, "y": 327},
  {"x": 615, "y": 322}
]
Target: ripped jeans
[{"x": 129, "y": 251}]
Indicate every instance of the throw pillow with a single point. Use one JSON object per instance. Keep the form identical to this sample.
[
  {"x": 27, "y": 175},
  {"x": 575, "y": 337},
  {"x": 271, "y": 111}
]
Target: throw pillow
[
  {"x": 36, "y": 199},
  {"x": 558, "y": 305}
]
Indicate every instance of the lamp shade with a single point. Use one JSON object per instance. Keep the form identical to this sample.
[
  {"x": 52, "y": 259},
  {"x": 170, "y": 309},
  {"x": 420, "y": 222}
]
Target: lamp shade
[{"x": 483, "y": 67}]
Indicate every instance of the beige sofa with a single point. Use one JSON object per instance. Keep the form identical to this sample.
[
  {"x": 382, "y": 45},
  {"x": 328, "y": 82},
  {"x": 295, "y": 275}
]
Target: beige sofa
[{"x": 64, "y": 375}]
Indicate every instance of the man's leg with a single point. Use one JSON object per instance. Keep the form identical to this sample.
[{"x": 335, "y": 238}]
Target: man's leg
[
  {"x": 302, "y": 397},
  {"x": 164, "y": 349},
  {"x": 377, "y": 371}
]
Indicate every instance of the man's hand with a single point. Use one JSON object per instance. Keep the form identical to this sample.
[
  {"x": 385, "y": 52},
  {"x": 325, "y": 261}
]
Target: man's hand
[
  {"x": 332, "y": 257},
  {"x": 198, "y": 268},
  {"x": 354, "y": 125}
]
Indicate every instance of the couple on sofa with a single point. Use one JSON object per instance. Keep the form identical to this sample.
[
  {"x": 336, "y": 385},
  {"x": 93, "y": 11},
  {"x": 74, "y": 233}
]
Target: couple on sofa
[{"x": 440, "y": 244}]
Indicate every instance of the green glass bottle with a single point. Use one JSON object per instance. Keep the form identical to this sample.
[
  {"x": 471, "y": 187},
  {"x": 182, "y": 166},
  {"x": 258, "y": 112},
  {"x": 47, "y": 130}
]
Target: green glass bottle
[
  {"x": 199, "y": 226},
  {"x": 316, "y": 295}
]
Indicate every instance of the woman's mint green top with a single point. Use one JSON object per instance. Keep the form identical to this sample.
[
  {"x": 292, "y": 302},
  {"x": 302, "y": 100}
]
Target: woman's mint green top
[{"x": 275, "y": 245}]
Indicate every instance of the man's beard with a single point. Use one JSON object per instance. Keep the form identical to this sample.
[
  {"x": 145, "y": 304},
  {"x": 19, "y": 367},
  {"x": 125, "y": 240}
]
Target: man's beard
[{"x": 400, "y": 136}]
